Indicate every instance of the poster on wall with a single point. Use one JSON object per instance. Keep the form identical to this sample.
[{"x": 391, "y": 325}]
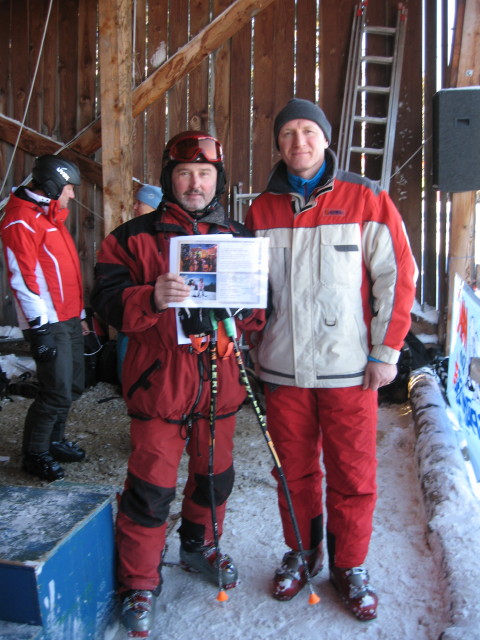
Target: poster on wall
[{"x": 463, "y": 383}]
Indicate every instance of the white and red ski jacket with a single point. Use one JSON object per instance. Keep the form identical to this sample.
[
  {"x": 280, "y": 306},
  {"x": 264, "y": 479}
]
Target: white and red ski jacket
[
  {"x": 342, "y": 279},
  {"x": 42, "y": 261}
]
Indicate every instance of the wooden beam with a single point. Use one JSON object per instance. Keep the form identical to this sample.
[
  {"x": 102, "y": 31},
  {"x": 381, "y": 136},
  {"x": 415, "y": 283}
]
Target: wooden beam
[
  {"x": 115, "y": 37},
  {"x": 456, "y": 44},
  {"x": 37, "y": 144},
  {"x": 466, "y": 73},
  {"x": 90, "y": 140},
  {"x": 469, "y": 60},
  {"x": 223, "y": 27},
  {"x": 190, "y": 55}
]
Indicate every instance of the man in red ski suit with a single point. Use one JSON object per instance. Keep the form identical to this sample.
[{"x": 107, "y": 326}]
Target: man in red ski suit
[
  {"x": 45, "y": 277},
  {"x": 167, "y": 385},
  {"x": 342, "y": 280}
]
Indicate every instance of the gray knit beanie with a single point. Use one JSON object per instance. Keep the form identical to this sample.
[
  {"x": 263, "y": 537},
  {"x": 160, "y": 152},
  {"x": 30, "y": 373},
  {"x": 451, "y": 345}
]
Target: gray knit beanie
[{"x": 297, "y": 108}]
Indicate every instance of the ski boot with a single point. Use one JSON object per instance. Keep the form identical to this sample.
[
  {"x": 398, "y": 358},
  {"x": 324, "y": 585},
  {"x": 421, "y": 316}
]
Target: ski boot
[
  {"x": 66, "y": 451},
  {"x": 43, "y": 466},
  {"x": 355, "y": 591},
  {"x": 291, "y": 577},
  {"x": 204, "y": 560},
  {"x": 138, "y": 612}
]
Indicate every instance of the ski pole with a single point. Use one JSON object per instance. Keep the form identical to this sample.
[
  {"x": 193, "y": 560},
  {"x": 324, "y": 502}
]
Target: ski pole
[
  {"x": 230, "y": 330},
  {"x": 222, "y": 594}
]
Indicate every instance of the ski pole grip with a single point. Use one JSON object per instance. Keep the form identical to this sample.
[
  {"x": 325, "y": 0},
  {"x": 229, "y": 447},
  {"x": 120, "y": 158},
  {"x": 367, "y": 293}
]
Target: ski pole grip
[
  {"x": 225, "y": 316},
  {"x": 230, "y": 329},
  {"x": 213, "y": 319}
]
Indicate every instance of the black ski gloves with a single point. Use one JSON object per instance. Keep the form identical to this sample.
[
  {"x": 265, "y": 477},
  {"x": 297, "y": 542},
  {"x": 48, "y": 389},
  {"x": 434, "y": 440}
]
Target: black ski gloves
[
  {"x": 42, "y": 344},
  {"x": 195, "y": 321},
  {"x": 222, "y": 314}
]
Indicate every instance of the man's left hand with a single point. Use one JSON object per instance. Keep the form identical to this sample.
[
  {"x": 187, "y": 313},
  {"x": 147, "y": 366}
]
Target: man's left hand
[
  {"x": 378, "y": 374},
  {"x": 85, "y": 328}
]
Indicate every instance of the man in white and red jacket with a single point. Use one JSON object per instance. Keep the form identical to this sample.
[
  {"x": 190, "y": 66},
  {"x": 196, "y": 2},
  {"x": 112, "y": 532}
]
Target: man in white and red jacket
[
  {"x": 167, "y": 385},
  {"x": 45, "y": 277},
  {"x": 342, "y": 280}
]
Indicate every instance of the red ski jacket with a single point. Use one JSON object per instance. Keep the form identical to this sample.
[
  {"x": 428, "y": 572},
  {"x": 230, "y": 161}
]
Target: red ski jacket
[
  {"x": 42, "y": 261},
  {"x": 161, "y": 378}
]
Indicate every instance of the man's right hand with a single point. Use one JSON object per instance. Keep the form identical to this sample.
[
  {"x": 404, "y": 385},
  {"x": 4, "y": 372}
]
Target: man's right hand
[
  {"x": 169, "y": 288},
  {"x": 42, "y": 344}
]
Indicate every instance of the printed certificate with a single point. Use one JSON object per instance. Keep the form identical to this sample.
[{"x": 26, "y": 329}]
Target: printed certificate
[{"x": 221, "y": 271}]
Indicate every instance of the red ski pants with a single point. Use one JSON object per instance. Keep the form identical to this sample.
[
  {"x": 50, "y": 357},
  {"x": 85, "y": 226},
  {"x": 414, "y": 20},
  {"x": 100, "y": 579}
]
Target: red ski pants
[
  {"x": 341, "y": 425},
  {"x": 157, "y": 447}
]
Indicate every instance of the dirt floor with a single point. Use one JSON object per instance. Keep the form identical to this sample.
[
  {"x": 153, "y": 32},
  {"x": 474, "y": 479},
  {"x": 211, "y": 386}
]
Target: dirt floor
[{"x": 97, "y": 421}]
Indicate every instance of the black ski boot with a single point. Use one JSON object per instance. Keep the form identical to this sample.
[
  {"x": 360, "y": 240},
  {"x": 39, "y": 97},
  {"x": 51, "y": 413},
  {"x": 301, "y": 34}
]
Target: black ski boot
[
  {"x": 43, "y": 466},
  {"x": 204, "y": 560},
  {"x": 138, "y": 612},
  {"x": 66, "y": 451}
]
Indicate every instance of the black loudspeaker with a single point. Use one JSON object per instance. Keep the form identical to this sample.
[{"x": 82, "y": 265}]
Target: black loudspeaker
[{"x": 456, "y": 139}]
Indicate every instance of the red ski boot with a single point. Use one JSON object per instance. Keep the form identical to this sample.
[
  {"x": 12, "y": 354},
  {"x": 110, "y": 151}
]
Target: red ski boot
[
  {"x": 291, "y": 577},
  {"x": 355, "y": 591}
]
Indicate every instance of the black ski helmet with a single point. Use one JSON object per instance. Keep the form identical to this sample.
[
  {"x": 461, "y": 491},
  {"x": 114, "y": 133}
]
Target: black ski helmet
[
  {"x": 51, "y": 173},
  {"x": 192, "y": 146}
]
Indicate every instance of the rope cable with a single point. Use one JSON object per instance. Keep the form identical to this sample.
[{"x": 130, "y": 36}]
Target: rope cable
[{"x": 29, "y": 96}]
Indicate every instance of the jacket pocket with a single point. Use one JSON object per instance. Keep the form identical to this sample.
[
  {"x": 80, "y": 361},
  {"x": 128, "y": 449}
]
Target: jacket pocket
[
  {"x": 340, "y": 256},
  {"x": 143, "y": 381},
  {"x": 280, "y": 267}
]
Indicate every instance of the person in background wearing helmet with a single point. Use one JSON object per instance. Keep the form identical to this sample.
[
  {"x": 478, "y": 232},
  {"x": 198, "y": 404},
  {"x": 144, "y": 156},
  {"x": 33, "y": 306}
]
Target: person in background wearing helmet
[
  {"x": 147, "y": 199},
  {"x": 167, "y": 385},
  {"x": 45, "y": 277},
  {"x": 342, "y": 278}
]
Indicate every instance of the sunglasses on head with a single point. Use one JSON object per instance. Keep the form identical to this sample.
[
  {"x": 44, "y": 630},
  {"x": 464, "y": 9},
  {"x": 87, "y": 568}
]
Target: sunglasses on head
[{"x": 189, "y": 149}]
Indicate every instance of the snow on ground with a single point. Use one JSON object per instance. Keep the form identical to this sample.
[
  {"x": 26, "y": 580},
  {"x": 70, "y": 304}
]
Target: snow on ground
[
  {"x": 426, "y": 312},
  {"x": 407, "y": 575},
  {"x": 424, "y": 558}
]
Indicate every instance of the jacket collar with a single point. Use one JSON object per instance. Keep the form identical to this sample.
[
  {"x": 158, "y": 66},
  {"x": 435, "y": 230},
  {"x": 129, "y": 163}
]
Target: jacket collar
[
  {"x": 278, "y": 180},
  {"x": 20, "y": 198},
  {"x": 172, "y": 217}
]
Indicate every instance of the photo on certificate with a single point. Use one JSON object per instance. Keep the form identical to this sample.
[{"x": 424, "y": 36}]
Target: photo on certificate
[
  {"x": 198, "y": 257},
  {"x": 203, "y": 286}
]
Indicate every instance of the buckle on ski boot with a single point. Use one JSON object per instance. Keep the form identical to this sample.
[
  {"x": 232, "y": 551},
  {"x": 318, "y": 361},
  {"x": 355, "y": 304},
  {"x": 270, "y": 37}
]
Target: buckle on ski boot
[
  {"x": 204, "y": 560},
  {"x": 138, "y": 611},
  {"x": 355, "y": 591},
  {"x": 290, "y": 577}
]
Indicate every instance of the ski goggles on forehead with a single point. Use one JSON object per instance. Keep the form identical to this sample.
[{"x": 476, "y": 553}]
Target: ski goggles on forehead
[{"x": 189, "y": 149}]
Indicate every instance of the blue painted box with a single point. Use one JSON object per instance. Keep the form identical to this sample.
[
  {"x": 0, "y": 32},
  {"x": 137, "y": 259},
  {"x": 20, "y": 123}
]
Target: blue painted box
[
  {"x": 57, "y": 561},
  {"x": 17, "y": 631}
]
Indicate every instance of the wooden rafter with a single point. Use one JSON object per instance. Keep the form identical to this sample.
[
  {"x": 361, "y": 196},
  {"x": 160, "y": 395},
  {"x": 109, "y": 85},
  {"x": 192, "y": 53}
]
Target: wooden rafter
[
  {"x": 37, "y": 144},
  {"x": 226, "y": 25}
]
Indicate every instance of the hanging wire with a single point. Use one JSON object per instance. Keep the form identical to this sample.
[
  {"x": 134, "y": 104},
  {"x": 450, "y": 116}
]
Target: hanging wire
[
  {"x": 424, "y": 142},
  {"x": 29, "y": 96}
]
